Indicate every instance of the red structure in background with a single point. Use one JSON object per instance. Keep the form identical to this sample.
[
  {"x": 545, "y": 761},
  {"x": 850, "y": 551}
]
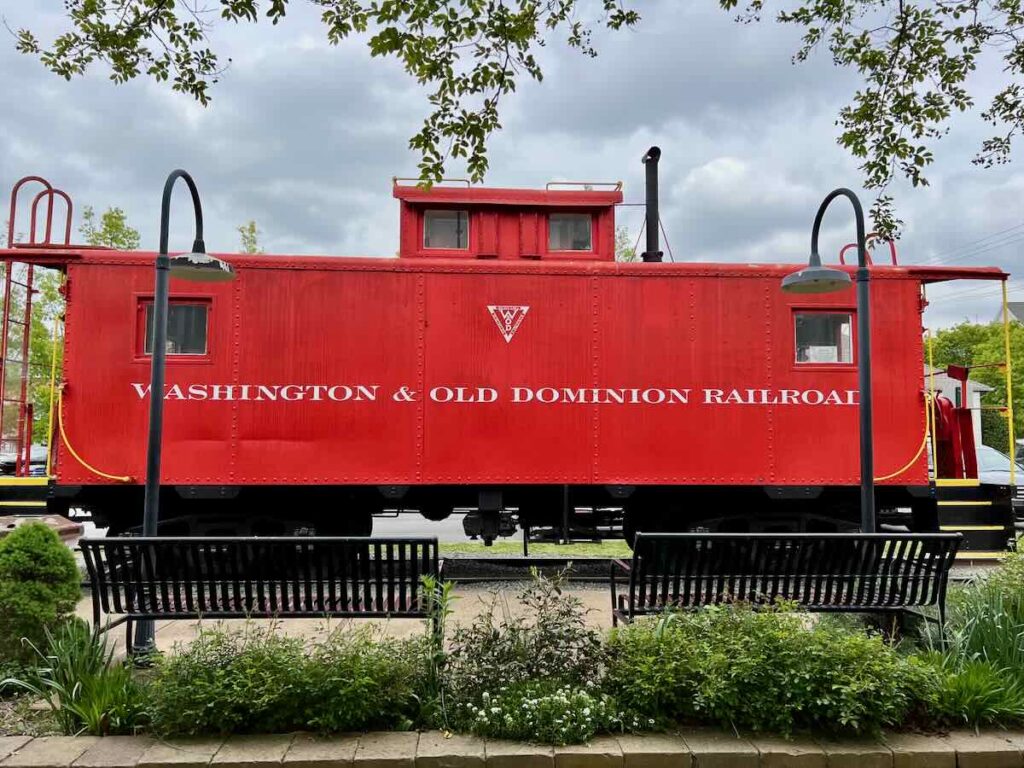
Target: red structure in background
[{"x": 17, "y": 320}]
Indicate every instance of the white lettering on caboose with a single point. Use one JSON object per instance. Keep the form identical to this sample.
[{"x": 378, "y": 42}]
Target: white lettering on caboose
[{"x": 444, "y": 394}]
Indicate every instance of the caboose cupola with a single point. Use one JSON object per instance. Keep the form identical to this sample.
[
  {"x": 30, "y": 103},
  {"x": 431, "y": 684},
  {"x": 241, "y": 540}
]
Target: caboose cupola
[{"x": 575, "y": 222}]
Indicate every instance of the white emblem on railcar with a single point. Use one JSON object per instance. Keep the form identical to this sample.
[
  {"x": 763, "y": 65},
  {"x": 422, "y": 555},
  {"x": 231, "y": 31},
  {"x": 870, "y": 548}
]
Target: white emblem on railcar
[{"x": 508, "y": 318}]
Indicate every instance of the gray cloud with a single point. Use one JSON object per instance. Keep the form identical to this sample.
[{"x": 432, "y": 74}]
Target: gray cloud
[{"x": 304, "y": 138}]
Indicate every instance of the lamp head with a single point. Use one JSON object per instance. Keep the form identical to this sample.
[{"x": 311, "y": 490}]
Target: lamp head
[
  {"x": 815, "y": 278},
  {"x": 200, "y": 267}
]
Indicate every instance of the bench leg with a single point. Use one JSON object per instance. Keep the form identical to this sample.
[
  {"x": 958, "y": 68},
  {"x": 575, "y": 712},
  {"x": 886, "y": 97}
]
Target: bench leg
[{"x": 129, "y": 648}]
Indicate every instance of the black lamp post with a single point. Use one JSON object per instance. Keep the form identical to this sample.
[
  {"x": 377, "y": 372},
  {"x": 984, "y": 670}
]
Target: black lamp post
[
  {"x": 818, "y": 279},
  {"x": 197, "y": 266}
]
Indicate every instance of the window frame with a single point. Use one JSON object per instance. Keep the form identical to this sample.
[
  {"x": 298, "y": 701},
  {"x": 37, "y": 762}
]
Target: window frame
[
  {"x": 145, "y": 300},
  {"x": 850, "y": 312},
  {"x": 445, "y": 251},
  {"x": 570, "y": 254}
]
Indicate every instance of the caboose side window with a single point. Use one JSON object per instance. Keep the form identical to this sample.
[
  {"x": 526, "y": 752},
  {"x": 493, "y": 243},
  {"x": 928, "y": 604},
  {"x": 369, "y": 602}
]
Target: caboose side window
[
  {"x": 824, "y": 337},
  {"x": 446, "y": 230},
  {"x": 570, "y": 232},
  {"x": 186, "y": 327}
]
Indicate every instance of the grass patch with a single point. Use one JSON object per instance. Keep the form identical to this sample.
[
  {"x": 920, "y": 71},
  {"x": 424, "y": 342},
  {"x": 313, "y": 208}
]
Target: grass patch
[{"x": 611, "y": 548}]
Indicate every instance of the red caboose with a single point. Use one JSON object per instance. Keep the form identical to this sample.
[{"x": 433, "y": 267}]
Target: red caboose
[{"x": 505, "y": 363}]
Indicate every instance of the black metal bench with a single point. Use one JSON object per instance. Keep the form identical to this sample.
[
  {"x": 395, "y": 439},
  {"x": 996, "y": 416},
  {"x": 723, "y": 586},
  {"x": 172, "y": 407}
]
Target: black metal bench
[
  {"x": 273, "y": 577},
  {"x": 820, "y": 572}
]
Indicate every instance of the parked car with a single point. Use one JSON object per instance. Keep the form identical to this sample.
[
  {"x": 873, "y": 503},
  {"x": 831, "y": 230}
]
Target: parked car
[
  {"x": 37, "y": 462},
  {"x": 994, "y": 468}
]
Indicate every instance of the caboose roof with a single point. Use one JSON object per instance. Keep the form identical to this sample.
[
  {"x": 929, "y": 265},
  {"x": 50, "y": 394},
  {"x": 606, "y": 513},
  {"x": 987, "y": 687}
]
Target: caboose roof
[
  {"x": 523, "y": 198},
  {"x": 55, "y": 256}
]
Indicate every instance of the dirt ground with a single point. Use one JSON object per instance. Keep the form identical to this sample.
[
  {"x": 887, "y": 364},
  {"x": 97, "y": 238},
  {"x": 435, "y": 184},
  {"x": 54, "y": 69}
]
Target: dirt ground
[{"x": 470, "y": 601}]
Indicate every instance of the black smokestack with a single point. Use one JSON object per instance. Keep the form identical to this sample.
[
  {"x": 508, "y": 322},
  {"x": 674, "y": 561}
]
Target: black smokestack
[{"x": 650, "y": 160}]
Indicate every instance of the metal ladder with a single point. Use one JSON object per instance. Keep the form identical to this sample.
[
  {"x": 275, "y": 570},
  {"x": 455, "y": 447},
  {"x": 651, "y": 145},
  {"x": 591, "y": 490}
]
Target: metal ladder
[{"x": 16, "y": 420}]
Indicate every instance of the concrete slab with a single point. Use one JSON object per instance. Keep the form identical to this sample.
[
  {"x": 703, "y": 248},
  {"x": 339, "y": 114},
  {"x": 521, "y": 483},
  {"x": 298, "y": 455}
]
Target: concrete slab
[
  {"x": 654, "y": 750},
  {"x": 514, "y": 754},
  {"x": 387, "y": 750},
  {"x": 856, "y": 753},
  {"x": 789, "y": 753},
  {"x": 181, "y": 753},
  {"x": 600, "y": 752},
  {"x": 917, "y": 750},
  {"x": 50, "y": 752},
  {"x": 263, "y": 751},
  {"x": 310, "y": 751},
  {"x": 11, "y": 744},
  {"x": 437, "y": 749},
  {"x": 984, "y": 750},
  {"x": 717, "y": 749},
  {"x": 115, "y": 752}
]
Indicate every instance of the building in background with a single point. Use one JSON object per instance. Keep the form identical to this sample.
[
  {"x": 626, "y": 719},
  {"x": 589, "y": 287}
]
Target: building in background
[{"x": 944, "y": 385}]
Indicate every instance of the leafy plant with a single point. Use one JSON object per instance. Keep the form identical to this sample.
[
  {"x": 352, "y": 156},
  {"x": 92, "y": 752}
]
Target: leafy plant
[
  {"x": 84, "y": 688},
  {"x": 975, "y": 693},
  {"x": 39, "y": 587},
  {"x": 440, "y": 596},
  {"x": 761, "y": 670},
  {"x": 362, "y": 680},
  {"x": 254, "y": 680},
  {"x": 251, "y": 680},
  {"x": 548, "y": 640}
]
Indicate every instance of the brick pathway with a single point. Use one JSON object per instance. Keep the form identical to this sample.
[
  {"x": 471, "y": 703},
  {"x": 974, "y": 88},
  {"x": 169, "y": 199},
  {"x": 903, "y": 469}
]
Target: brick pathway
[{"x": 693, "y": 748}]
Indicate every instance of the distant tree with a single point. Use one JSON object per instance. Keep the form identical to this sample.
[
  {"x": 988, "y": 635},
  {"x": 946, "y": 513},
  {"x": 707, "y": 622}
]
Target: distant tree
[
  {"x": 971, "y": 344},
  {"x": 625, "y": 246},
  {"x": 250, "y": 234},
  {"x": 112, "y": 229}
]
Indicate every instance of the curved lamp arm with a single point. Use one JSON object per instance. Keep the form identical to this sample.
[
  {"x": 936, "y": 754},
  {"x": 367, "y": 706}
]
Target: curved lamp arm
[
  {"x": 198, "y": 246},
  {"x": 858, "y": 211}
]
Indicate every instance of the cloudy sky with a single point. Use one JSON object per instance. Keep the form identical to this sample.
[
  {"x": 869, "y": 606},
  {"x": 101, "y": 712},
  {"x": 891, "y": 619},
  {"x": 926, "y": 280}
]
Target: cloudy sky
[{"x": 304, "y": 138}]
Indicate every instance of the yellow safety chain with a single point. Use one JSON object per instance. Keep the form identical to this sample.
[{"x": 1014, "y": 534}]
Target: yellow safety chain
[
  {"x": 924, "y": 442},
  {"x": 72, "y": 451},
  {"x": 1008, "y": 370}
]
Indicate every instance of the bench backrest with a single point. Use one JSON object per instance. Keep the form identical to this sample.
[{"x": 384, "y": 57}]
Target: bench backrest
[
  {"x": 820, "y": 571},
  {"x": 236, "y": 577}
]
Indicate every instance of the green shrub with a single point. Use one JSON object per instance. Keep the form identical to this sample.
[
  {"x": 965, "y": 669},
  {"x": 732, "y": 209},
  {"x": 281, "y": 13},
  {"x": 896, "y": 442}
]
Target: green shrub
[
  {"x": 39, "y": 587},
  {"x": 85, "y": 689},
  {"x": 364, "y": 681},
  {"x": 246, "y": 681},
  {"x": 254, "y": 680},
  {"x": 547, "y": 640},
  {"x": 974, "y": 693},
  {"x": 543, "y": 712},
  {"x": 762, "y": 670}
]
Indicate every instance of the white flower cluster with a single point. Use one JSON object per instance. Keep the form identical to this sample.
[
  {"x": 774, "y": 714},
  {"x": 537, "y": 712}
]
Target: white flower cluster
[{"x": 548, "y": 714}]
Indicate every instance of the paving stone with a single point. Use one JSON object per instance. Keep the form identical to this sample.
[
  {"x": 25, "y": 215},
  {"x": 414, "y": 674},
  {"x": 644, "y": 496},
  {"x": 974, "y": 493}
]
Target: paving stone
[
  {"x": 309, "y": 751},
  {"x": 716, "y": 749},
  {"x": 514, "y": 754},
  {"x": 789, "y": 753},
  {"x": 440, "y": 750},
  {"x": 916, "y": 750},
  {"x": 601, "y": 752},
  {"x": 654, "y": 750},
  {"x": 180, "y": 753},
  {"x": 50, "y": 752},
  {"x": 856, "y": 753},
  {"x": 9, "y": 744},
  {"x": 387, "y": 750},
  {"x": 984, "y": 750},
  {"x": 115, "y": 752},
  {"x": 252, "y": 751}
]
